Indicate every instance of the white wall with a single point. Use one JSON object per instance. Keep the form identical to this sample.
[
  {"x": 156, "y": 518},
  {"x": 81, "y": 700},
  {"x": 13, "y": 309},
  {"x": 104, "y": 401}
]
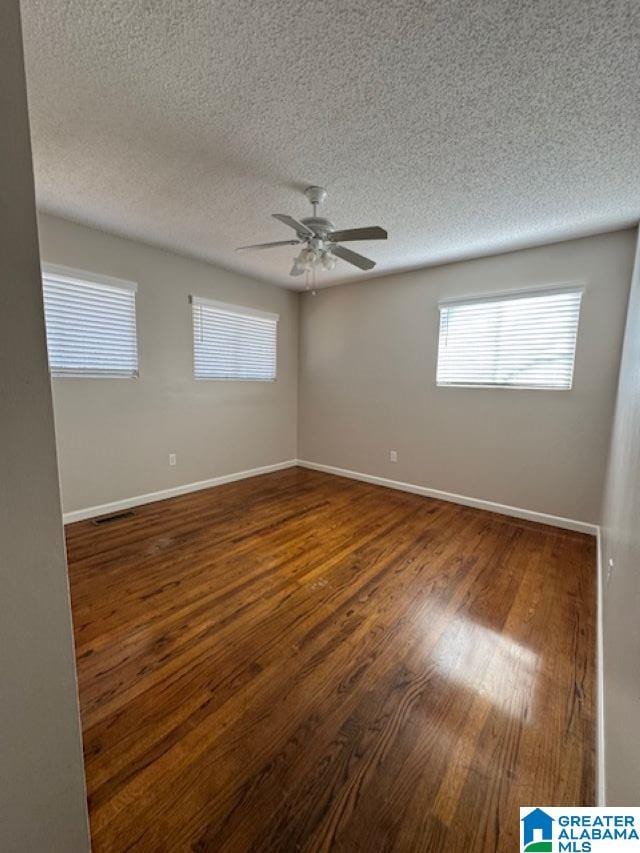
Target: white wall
[
  {"x": 621, "y": 543},
  {"x": 42, "y": 798},
  {"x": 367, "y": 383},
  {"x": 115, "y": 435}
]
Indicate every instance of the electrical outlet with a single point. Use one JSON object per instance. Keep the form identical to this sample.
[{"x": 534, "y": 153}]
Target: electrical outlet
[
  {"x": 172, "y": 459},
  {"x": 393, "y": 456}
]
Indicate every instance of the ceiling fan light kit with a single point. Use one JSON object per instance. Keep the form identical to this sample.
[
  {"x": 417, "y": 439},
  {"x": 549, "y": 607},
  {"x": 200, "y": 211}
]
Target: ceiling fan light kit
[{"x": 320, "y": 240}]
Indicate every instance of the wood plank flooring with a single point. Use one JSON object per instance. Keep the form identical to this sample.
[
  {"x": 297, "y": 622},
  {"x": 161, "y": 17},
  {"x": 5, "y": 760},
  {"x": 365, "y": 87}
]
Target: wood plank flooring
[{"x": 305, "y": 662}]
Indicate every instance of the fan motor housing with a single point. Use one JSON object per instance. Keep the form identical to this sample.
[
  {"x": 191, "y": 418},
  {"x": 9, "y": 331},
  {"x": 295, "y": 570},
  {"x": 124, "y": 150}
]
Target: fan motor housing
[{"x": 320, "y": 226}]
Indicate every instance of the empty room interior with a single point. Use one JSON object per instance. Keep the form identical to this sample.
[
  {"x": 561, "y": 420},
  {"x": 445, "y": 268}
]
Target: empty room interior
[{"x": 320, "y": 416}]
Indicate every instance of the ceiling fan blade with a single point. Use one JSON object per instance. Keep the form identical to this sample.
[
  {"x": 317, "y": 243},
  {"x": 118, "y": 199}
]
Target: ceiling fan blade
[
  {"x": 269, "y": 245},
  {"x": 293, "y": 223},
  {"x": 353, "y": 258},
  {"x": 372, "y": 233}
]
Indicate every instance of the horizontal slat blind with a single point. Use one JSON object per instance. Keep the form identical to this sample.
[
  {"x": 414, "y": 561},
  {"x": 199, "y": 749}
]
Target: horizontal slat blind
[
  {"x": 91, "y": 327},
  {"x": 526, "y": 340},
  {"x": 230, "y": 342}
]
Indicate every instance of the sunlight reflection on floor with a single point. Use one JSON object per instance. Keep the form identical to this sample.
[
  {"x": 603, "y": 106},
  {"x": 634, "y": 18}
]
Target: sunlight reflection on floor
[{"x": 492, "y": 665}]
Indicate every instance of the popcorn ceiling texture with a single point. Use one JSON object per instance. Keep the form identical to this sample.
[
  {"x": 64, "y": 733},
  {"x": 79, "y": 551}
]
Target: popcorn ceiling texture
[{"x": 464, "y": 127}]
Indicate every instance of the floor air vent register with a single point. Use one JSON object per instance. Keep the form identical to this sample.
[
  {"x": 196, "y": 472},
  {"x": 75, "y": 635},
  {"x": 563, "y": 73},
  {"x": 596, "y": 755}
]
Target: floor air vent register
[{"x": 116, "y": 516}]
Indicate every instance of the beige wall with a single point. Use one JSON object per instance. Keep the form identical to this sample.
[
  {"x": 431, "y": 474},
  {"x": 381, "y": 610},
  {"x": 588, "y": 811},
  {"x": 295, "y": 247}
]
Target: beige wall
[
  {"x": 621, "y": 583},
  {"x": 367, "y": 383},
  {"x": 115, "y": 435},
  {"x": 42, "y": 801}
]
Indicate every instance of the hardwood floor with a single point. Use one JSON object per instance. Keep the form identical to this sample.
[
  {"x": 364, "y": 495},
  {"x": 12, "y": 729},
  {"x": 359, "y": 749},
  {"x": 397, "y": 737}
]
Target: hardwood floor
[{"x": 304, "y": 662}]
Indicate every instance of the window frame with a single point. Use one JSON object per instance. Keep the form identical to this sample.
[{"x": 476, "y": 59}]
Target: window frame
[
  {"x": 577, "y": 287},
  {"x": 237, "y": 310},
  {"x": 69, "y": 275}
]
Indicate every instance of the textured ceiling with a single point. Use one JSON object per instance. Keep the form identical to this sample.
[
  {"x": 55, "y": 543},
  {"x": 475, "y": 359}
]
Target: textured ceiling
[{"x": 462, "y": 127}]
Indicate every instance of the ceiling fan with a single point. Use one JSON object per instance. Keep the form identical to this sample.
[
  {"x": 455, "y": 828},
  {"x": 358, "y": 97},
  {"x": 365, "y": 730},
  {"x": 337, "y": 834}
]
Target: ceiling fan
[{"x": 320, "y": 240}]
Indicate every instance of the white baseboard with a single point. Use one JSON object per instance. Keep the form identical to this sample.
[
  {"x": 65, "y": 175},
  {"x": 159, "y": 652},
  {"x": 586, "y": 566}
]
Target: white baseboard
[
  {"x": 478, "y": 503},
  {"x": 127, "y": 503},
  {"x": 601, "y": 787}
]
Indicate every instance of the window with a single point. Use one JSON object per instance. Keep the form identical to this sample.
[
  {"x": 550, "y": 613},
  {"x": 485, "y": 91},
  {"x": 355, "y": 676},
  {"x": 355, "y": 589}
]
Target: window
[
  {"x": 230, "y": 342},
  {"x": 519, "y": 340},
  {"x": 91, "y": 324}
]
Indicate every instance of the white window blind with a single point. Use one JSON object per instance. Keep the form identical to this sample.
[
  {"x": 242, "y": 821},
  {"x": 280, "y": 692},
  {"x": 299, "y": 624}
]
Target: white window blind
[
  {"x": 232, "y": 342},
  {"x": 91, "y": 324},
  {"x": 520, "y": 340}
]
